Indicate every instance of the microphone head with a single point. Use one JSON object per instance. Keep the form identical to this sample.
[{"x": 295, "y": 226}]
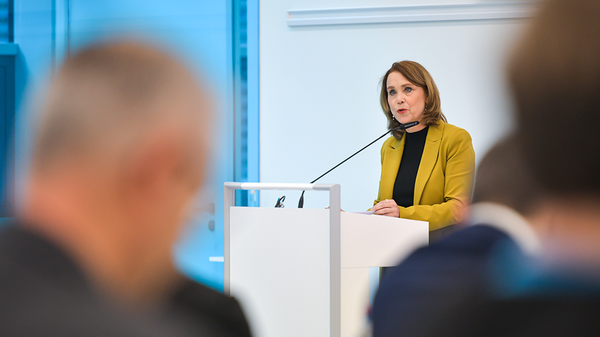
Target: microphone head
[
  {"x": 410, "y": 124},
  {"x": 405, "y": 126}
]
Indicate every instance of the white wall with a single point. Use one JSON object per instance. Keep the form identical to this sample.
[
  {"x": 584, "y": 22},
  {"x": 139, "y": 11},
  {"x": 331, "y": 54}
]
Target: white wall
[{"x": 319, "y": 89}]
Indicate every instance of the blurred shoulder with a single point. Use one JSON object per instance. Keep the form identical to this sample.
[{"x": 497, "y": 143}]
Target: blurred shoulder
[{"x": 195, "y": 300}]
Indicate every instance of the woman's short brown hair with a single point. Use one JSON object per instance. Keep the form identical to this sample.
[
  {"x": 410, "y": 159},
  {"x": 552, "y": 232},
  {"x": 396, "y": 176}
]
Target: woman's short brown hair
[{"x": 419, "y": 76}]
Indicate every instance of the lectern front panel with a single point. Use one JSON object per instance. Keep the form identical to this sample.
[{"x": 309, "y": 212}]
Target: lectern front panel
[{"x": 279, "y": 269}]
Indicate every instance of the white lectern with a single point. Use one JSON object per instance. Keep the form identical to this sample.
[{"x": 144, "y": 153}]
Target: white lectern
[{"x": 304, "y": 272}]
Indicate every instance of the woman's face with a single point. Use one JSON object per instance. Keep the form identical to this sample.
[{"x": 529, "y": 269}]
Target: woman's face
[{"x": 406, "y": 100}]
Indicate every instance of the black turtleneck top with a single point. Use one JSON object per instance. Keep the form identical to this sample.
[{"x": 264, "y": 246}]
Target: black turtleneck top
[{"x": 404, "y": 187}]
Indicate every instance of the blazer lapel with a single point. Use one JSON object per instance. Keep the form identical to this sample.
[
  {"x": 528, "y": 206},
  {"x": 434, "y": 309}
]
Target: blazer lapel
[
  {"x": 391, "y": 164},
  {"x": 428, "y": 159}
]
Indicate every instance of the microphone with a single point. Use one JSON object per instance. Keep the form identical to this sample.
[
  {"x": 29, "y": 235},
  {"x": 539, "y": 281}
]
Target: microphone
[{"x": 401, "y": 127}]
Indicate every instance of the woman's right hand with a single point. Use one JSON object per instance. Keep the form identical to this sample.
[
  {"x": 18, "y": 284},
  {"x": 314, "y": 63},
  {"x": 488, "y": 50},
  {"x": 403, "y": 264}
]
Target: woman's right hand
[{"x": 387, "y": 207}]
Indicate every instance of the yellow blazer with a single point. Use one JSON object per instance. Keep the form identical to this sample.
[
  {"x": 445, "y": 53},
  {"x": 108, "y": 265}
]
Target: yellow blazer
[{"x": 444, "y": 180}]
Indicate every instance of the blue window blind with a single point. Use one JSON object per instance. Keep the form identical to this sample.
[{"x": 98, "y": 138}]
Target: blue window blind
[
  {"x": 240, "y": 84},
  {"x": 7, "y": 111},
  {"x": 246, "y": 125},
  {"x": 7, "y": 114},
  {"x": 6, "y": 25}
]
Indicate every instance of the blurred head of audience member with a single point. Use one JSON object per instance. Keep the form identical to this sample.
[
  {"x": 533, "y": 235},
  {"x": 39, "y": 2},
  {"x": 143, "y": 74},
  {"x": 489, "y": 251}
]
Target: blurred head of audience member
[
  {"x": 117, "y": 162},
  {"x": 507, "y": 195},
  {"x": 555, "y": 78},
  {"x": 503, "y": 179}
]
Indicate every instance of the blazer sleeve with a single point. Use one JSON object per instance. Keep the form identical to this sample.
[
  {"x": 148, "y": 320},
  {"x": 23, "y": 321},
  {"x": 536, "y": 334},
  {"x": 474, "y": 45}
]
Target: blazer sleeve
[{"x": 458, "y": 182}]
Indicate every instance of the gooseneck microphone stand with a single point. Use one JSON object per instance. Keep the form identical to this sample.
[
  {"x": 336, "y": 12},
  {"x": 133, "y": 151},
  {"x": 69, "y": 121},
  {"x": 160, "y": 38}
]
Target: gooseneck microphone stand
[{"x": 401, "y": 127}]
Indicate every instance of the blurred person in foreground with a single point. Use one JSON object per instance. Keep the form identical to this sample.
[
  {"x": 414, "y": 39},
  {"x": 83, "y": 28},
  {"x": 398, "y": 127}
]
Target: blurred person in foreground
[
  {"x": 555, "y": 78},
  {"x": 435, "y": 280},
  {"x": 119, "y": 156}
]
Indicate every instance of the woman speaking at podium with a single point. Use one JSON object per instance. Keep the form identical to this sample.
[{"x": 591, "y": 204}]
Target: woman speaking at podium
[{"x": 427, "y": 170}]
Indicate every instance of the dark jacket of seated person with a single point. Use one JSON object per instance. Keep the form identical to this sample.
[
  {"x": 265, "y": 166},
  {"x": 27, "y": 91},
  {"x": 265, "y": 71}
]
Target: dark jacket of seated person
[{"x": 45, "y": 293}]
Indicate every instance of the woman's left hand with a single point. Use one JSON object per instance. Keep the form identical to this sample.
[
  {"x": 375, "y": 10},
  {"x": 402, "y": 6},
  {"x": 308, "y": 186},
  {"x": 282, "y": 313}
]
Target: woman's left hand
[{"x": 387, "y": 207}]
